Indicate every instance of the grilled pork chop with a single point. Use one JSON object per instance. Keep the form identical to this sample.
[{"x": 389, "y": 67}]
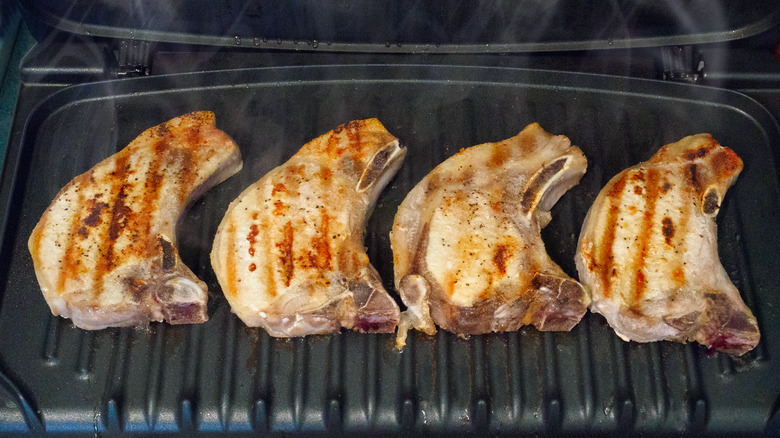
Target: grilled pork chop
[
  {"x": 105, "y": 250},
  {"x": 467, "y": 249},
  {"x": 648, "y": 250},
  {"x": 289, "y": 252}
]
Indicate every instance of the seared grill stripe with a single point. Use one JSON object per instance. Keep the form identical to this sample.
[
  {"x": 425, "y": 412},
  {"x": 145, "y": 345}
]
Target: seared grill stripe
[
  {"x": 185, "y": 161},
  {"x": 668, "y": 229},
  {"x": 355, "y": 141},
  {"x": 70, "y": 258},
  {"x": 607, "y": 258},
  {"x": 120, "y": 214},
  {"x": 270, "y": 267},
  {"x": 693, "y": 176},
  {"x": 648, "y": 228},
  {"x": 151, "y": 193},
  {"x": 500, "y": 257},
  {"x": 321, "y": 244},
  {"x": 286, "y": 258}
]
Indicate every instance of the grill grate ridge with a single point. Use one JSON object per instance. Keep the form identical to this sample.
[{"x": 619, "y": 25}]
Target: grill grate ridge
[
  {"x": 155, "y": 370},
  {"x": 262, "y": 386},
  {"x": 51, "y": 340}
]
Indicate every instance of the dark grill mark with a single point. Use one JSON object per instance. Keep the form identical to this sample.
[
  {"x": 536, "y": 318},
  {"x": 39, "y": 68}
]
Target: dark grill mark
[
  {"x": 698, "y": 153},
  {"x": 95, "y": 209},
  {"x": 120, "y": 217},
  {"x": 183, "y": 160},
  {"x": 607, "y": 258},
  {"x": 535, "y": 188},
  {"x": 693, "y": 176},
  {"x": 160, "y": 130},
  {"x": 150, "y": 195},
  {"x": 646, "y": 232},
  {"x": 667, "y": 226},
  {"x": 168, "y": 254},
  {"x": 500, "y": 257},
  {"x": 286, "y": 254},
  {"x": 355, "y": 140},
  {"x": 321, "y": 257},
  {"x": 120, "y": 213}
]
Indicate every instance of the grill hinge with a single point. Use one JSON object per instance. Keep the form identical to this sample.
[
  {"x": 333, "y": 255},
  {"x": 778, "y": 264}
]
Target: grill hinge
[
  {"x": 133, "y": 59},
  {"x": 682, "y": 64}
]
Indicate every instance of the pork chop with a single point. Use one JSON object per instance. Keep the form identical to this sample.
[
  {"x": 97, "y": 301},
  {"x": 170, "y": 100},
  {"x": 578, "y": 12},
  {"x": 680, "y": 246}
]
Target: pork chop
[
  {"x": 467, "y": 249},
  {"x": 648, "y": 250},
  {"x": 289, "y": 252},
  {"x": 105, "y": 250}
]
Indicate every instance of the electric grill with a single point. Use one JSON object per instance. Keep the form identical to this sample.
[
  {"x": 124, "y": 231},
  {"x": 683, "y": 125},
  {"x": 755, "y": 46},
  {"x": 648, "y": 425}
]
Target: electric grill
[{"x": 619, "y": 78}]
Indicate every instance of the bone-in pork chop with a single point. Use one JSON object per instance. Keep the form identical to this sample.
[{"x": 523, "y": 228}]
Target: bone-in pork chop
[
  {"x": 105, "y": 250},
  {"x": 467, "y": 249},
  {"x": 649, "y": 253},
  {"x": 289, "y": 252}
]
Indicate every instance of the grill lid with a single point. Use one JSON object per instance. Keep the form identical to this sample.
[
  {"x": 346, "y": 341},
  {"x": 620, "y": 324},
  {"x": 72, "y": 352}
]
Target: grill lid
[{"x": 410, "y": 26}]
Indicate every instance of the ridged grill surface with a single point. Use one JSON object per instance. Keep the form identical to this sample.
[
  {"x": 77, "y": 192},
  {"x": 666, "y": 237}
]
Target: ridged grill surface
[{"x": 222, "y": 376}]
